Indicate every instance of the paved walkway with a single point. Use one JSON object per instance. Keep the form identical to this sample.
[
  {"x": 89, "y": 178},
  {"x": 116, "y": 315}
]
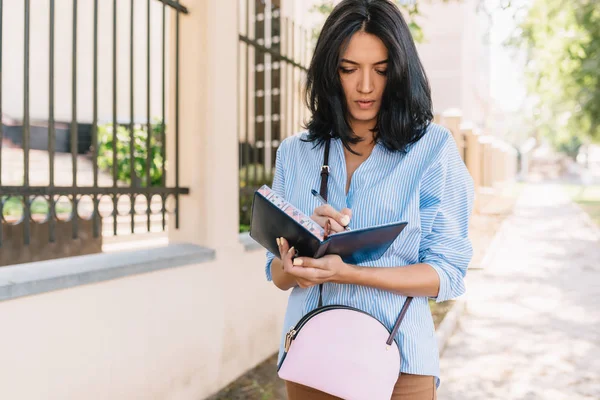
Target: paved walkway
[{"x": 532, "y": 326}]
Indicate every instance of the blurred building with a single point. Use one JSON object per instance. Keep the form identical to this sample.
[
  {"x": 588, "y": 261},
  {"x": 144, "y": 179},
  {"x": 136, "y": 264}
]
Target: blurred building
[{"x": 456, "y": 56}]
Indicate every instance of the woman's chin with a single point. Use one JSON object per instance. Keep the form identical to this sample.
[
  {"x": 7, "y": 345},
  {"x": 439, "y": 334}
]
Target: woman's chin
[{"x": 364, "y": 117}]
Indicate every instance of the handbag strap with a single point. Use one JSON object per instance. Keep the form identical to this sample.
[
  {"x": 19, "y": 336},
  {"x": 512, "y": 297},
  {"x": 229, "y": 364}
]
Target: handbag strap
[
  {"x": 323, "y": 192},
  {"x": 325, "y": 171}
]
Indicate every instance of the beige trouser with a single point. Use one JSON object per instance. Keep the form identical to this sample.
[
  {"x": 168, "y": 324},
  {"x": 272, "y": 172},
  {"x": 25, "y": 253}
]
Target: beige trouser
[{"x": 408, "y": 387}]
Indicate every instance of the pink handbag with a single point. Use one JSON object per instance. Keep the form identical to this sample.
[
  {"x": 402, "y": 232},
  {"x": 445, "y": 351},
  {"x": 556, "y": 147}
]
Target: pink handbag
[{"x": 341, "y": 350}]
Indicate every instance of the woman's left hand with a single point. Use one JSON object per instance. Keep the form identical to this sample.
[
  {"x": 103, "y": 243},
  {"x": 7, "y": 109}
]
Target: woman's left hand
[{"x": 314, "y": 271}]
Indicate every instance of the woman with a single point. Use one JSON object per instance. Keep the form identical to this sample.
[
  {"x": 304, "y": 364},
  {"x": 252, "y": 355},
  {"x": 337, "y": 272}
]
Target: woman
[{"x": 367, "y": 91}]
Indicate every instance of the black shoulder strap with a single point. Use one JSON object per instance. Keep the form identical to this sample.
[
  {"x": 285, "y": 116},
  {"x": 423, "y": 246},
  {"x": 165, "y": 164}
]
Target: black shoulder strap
[
  {"x": 323, "y": 192},
  {"x": 325, "y": 171}
]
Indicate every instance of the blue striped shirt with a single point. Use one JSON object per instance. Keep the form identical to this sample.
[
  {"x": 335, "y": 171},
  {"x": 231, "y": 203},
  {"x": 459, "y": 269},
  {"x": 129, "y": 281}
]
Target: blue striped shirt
[{"x": 429, "y": 187}]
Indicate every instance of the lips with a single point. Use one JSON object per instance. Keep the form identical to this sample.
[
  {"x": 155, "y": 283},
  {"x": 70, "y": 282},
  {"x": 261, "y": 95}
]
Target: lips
[{"x": 365, "y": 104}]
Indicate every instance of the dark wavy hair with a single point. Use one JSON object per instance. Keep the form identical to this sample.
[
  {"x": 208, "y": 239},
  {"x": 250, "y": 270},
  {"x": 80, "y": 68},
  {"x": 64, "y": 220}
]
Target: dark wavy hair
[{"x": 406, "y": 108}]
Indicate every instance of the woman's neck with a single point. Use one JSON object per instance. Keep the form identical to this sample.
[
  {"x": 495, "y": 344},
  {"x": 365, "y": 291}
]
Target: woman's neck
[{"x": 363, "y": 130}]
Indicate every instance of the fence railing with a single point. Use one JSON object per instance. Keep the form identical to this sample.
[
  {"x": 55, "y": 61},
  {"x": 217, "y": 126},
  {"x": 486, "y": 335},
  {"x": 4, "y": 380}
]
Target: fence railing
[
  {"x": 132, "y": 151},
  {"x": 273, "y": 54}
]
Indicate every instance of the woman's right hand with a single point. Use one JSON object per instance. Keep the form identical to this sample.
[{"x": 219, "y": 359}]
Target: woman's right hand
[{"x": 338, "y": 220}]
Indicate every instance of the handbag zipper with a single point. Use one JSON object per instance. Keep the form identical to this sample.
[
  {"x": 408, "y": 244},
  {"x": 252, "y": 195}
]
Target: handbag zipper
[
  {"x": 311, "y": 314},
  {"x": 288, "y": 339}
]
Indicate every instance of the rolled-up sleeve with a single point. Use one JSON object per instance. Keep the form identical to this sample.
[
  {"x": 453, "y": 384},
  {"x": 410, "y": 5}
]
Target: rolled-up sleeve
[
  {"x": 446, "y": 203},
  {"x": 278, "y": 187}
]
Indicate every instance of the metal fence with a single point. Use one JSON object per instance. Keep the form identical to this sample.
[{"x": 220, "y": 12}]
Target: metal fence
[
  {"x": 132, "y": 152},
  {"x": 273, "y": 54}
]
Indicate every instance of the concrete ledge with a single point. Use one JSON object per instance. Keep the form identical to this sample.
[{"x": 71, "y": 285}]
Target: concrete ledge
[
  {"x": 45, "y": 276},
  {"x": 249, "y": 243},
  {"x": 450, "y": 322},
  {"x": 493, "y": 247}
]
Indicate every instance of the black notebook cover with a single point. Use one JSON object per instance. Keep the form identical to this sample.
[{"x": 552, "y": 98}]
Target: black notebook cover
[{"x": 272, "y": 218}]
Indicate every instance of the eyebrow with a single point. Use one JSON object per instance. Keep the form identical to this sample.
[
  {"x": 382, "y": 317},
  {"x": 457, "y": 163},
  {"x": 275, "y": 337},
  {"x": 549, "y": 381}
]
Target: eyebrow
[{"x": 344, "y": 60}]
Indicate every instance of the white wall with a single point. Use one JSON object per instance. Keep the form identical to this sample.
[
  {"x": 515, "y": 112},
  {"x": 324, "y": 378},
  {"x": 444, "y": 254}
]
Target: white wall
[{"x": 179, "y": 333}]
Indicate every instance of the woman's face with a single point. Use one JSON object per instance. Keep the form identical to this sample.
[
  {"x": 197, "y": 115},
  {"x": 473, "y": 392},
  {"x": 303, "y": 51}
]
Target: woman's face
[{"x": 363, "y": 76}]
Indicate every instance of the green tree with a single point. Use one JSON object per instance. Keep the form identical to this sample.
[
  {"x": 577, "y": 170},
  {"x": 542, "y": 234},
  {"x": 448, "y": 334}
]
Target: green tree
[{"x": 562, "y": 42}]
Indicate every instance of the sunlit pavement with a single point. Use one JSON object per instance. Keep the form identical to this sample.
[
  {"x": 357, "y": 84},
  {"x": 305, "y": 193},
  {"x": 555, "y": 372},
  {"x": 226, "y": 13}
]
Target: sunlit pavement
[{"x": 532, "y": 326}]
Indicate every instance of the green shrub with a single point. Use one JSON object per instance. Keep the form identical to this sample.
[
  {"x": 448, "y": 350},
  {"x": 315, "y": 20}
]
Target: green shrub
[
  {"x": 251, "y": 177},
  {"x": 140, "y": 153}
]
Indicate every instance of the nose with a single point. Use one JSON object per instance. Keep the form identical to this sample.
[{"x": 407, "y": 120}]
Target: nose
[{"x": 365, "y": 83}]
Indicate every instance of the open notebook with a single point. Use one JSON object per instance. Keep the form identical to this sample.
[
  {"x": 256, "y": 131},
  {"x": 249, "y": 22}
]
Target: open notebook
[{"x": 274, "y": 217}]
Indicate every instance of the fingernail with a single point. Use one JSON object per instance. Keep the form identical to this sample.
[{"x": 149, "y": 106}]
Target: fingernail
[
  {"x": 291, "y": 249},
  {"x": 345, "y": 220},
  {"x": 297, "y": 261},
  {"x": 278, "y": 242}
]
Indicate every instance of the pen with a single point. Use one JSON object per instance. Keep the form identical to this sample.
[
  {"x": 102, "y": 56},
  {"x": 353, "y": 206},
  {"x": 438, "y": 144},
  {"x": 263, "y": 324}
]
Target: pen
[{"x": 323, "y": 201}]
